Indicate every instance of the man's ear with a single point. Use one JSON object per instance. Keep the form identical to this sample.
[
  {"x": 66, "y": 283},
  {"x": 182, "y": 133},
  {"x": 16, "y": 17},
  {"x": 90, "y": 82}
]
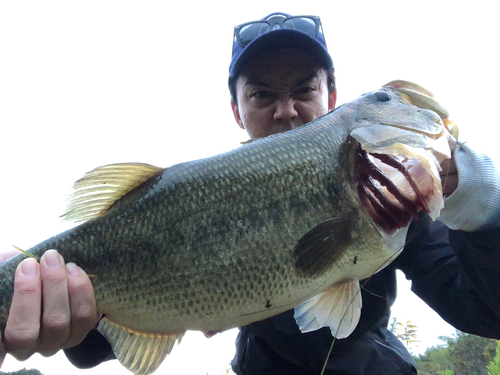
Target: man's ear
[
  {"x": 332, "y": 100},
  {"x": 236, "y": 114}
]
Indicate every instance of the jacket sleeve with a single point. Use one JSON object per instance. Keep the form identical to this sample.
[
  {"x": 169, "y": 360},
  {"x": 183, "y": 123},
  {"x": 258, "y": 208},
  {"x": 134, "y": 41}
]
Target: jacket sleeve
[
  {"x": 475, "y": 204},
  {"x": 456, "y": 274},
  {"x": 455, "y": 271},
  {"x": 92, "y": 351}
]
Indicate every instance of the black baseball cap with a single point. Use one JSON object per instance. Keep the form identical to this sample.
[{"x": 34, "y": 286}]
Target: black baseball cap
[{"x": 275, "y": 31}]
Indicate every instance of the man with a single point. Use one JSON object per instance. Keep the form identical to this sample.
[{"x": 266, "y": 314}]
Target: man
[{"x": 278, "y": 81}]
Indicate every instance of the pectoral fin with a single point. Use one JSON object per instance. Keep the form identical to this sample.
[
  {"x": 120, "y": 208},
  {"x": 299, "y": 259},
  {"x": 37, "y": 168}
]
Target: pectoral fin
[
  {"x": 319, "y": 248},
  {"x": 338, "y": 307},
  {"x": 140, "y": 352}
]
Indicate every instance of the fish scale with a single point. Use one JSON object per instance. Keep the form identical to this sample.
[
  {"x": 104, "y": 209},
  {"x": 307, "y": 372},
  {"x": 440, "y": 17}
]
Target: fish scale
[{"x": 228, "y": 240}]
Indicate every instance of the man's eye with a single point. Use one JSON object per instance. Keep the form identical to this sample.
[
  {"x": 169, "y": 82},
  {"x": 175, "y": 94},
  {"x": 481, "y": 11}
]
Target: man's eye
[
  {"x": 261, "y": 94},
  {"x": 306, "y": 90}
]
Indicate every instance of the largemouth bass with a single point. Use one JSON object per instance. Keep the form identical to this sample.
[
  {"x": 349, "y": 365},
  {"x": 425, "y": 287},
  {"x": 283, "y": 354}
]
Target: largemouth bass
[{"x": 293, "y": 220}]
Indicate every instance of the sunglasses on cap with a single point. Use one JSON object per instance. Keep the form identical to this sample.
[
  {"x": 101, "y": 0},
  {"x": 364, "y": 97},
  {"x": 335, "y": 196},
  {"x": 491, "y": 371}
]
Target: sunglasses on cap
[{"x": 248, "y": 31}]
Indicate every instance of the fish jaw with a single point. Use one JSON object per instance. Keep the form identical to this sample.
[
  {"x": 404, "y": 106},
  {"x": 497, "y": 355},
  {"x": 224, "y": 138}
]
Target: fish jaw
[{"x": 396, "y": 164}]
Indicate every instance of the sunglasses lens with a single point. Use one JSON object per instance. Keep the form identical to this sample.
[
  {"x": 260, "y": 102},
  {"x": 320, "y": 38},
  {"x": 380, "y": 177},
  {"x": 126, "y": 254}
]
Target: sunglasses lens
[
  {"x": 252, "y": 31},
  {"x": 247, "y": 32},
  {"x": 304, "y": 24}
]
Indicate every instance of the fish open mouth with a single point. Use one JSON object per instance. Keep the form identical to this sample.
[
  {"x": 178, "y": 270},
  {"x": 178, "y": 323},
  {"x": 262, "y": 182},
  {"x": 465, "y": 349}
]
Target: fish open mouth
[{"x": 393, "y": 189}]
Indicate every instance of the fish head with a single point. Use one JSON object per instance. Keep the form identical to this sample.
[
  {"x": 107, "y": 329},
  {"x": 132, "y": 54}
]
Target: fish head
[
  {"x": 396, "y": 151},
  {"x": 388, "y": 114}
]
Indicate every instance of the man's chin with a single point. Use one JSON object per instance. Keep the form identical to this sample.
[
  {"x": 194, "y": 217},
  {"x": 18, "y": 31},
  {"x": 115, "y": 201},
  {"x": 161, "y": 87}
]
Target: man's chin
[{"x": 281, "y": 128}]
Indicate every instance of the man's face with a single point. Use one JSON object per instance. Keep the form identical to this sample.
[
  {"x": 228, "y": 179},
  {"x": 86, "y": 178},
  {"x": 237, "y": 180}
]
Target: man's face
[{"x": 279, "y": 91}]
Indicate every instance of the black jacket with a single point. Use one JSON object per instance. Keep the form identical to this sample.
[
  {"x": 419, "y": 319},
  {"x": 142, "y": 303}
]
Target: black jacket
[{"x": 455, "y": 272}]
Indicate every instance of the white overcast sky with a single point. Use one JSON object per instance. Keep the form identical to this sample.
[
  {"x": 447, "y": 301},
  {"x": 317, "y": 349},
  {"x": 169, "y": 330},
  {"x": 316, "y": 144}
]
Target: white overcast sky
[{"x": 88, "y": 83}]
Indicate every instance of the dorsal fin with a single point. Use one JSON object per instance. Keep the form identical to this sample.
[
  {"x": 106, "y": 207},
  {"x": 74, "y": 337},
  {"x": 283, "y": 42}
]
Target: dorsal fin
[
  {"x": 419, "y": 96},
  {"x": 139, "y": 352},
  {"x": 400, "y": 83},
  {"x": 248, "y": 141},
  {"x": 95, "y": 192}
]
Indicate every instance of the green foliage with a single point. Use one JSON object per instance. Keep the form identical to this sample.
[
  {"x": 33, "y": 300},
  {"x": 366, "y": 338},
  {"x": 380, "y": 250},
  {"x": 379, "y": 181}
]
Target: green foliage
[
  {"x": 24, "y": 371},
  {"x": 406, "y": 332},
  {"x": 461, "y": 354},
  {"x": 435, "y": 360},
  {"x": 469, "y": 354},
  {"x": 494, "y": 366}
]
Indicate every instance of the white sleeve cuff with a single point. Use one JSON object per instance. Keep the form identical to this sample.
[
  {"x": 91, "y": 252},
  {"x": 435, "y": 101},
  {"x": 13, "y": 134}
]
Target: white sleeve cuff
[{"x": 475, "y": 204}]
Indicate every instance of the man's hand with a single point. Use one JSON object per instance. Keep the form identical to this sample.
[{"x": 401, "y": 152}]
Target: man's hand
[
  {"x": 422, "y": 98},
  {"x": 64, "y": 319},
  {"x": 449, "y": 176}
]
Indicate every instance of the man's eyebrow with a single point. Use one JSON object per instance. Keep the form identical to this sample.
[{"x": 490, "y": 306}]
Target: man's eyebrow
[
  {"x": 298, "y": 83},
  {"x": 255, "y": 83},
  {"x": 307, "y": 79}
]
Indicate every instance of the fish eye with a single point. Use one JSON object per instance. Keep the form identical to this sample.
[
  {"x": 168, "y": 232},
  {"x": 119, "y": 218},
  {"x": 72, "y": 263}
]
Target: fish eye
[{"x": 382, "y": 96}]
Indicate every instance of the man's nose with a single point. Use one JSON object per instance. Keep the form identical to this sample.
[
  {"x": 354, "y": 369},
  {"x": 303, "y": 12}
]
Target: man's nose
[{"x": 285, "y": 110}]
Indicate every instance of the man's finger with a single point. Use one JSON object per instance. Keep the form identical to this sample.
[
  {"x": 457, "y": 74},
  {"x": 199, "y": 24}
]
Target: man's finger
[
  {"x": 448, "y": 166},
  {"x": 2, "y": 353},
  {"x": 449, "y": 176},
  {"x": 450, "y": 184},
  {"x": 23, "y": 325},
  {"x": 56, "y": 325},
  {"x": 84, "y": 314},
  {"x": 7, "y": 254}
]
